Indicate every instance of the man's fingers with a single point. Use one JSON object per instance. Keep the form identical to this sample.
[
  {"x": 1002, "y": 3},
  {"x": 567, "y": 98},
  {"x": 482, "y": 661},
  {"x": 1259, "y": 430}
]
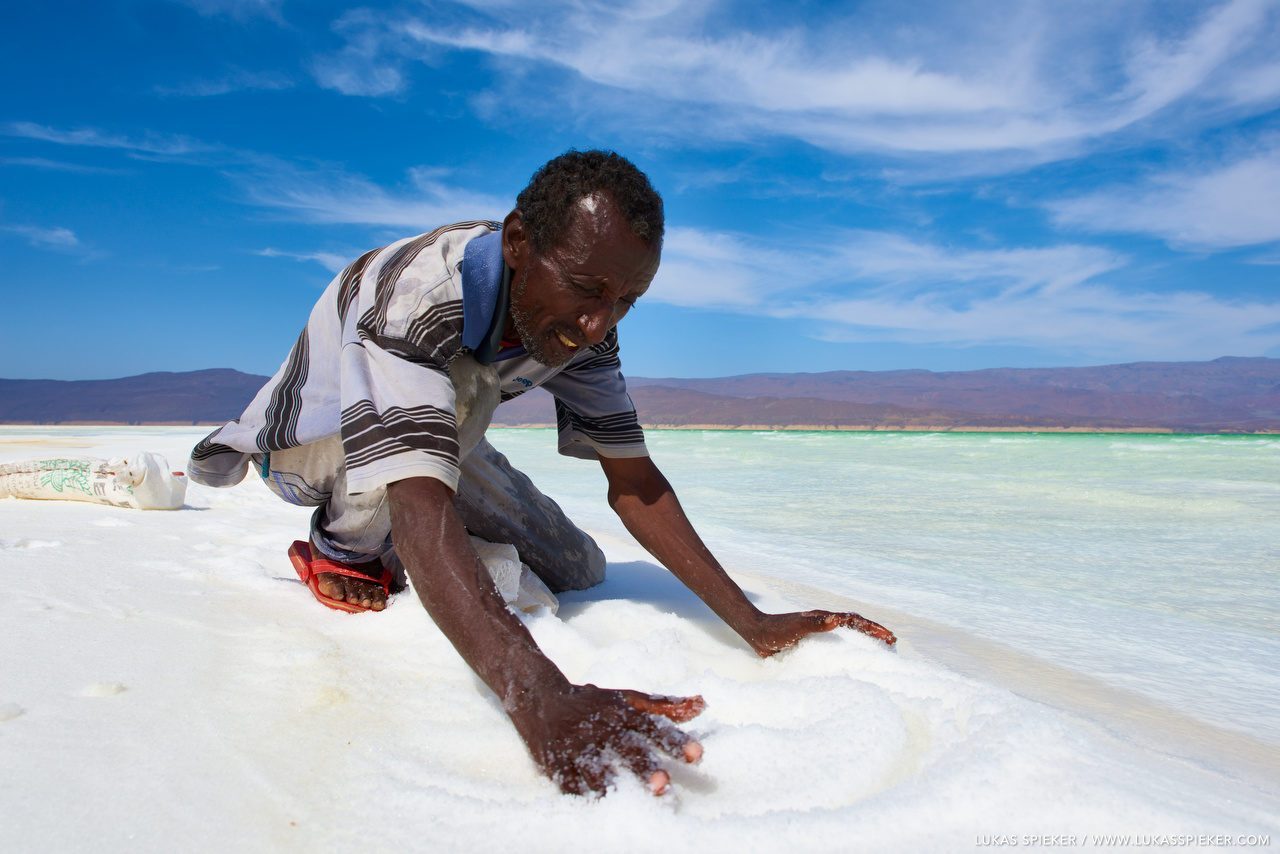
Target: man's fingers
[
  {"x": 570, "y": 782},
  {"x": 634, "y": 753},
  {"x": 833, "y": 621},
  {"x": 594, "y": 772},
  {"x": 668, "y": 738},
  {"x": 678, "y": 709},
  {"x": 867, "y": 627}
]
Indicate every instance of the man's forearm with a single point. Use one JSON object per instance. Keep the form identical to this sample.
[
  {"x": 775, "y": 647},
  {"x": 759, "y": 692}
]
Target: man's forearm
[
  {"x": 650, "y": 510},
  {"x": 645, "y": 501},
  {"x": 460, "y": 595}
]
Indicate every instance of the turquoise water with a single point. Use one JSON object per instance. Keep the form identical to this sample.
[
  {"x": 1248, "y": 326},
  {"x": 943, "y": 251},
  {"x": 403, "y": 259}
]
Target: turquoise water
[{"x": 1149, "y": 562}]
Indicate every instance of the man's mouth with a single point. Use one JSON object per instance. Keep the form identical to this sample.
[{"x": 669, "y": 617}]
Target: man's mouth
[{"x": 566, "y": 341}]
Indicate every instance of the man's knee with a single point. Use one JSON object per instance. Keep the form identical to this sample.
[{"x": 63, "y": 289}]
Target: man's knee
[{"x": 499, "y": 503}]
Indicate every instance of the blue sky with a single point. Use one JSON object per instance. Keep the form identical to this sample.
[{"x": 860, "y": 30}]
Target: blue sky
[{"x": 849, "y": 186}]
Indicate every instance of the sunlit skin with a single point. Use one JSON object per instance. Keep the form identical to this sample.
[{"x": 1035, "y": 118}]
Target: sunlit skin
[
  {"x": 572, "y": 295},
  {"x": 581, "y": 736}
]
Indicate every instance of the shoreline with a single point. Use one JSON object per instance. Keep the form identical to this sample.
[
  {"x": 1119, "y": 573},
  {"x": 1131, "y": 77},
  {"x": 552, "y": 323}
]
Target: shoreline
[{"x": 752, "y": 428}]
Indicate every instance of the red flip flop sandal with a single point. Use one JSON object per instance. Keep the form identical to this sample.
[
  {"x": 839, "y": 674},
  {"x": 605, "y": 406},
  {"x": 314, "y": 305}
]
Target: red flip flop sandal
[{"x": 308, "y": 567}]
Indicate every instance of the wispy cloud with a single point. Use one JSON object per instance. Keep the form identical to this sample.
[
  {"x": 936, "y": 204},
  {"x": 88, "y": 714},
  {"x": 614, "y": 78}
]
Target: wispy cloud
[
  {"x": 1093, "y": 321},
  {"x": 877, "y": 286},
  {"x": 168, "y": 145},
  {"x": 331, "y": 196},
  {"x": 55, "y": 238},
  {"x": 1216, "y": 207},
  {"x": 1265, "y": 259},
  {"x": 58, "y": 166},
  {"x": 318, "y": 193},
  {"x": 715, "y": 269},
  {"x": 331, "y": 261},
  {"x": 371, "y": 61},
  {"x": 236, "y": 80},
  {"x": 239, "y": 10},
  {"x": 1043, "y": 79}
]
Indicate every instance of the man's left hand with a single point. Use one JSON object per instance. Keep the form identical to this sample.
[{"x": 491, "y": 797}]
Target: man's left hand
[{"x": 777, "y": 632}]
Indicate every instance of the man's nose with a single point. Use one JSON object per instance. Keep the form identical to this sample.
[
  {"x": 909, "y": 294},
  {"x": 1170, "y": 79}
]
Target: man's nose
[{"x": 596, "y": 324}]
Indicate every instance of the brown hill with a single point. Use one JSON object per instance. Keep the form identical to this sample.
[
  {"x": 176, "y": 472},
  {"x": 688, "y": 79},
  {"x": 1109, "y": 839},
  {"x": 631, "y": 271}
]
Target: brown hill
[
  {"x": 661, "y": 406},
  {"x": 1225, "y": 395},
  {"x": 193, "y": 397}
]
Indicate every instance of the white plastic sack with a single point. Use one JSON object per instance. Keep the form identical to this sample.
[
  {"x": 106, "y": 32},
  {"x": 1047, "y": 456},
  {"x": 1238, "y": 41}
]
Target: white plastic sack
[
  {"x": 142, "y": 481},
  {"x": 519, "y": 586}
]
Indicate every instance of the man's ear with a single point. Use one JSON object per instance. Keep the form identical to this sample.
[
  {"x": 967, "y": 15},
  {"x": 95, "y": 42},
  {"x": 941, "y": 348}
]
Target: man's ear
[{"x": 515, "y": 240}]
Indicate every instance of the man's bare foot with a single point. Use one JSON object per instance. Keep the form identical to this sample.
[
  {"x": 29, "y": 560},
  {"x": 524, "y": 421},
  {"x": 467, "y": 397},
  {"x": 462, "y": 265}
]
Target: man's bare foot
[{"x": 367, "y": 594}]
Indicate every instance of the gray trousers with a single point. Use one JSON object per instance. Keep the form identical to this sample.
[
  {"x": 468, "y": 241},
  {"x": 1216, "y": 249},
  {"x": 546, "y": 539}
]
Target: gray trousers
[{"x": 495, "y": 501}]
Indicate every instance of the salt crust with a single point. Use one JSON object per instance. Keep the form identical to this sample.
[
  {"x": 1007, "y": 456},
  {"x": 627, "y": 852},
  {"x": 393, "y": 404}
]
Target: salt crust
[{"x": 168, "y": 684}]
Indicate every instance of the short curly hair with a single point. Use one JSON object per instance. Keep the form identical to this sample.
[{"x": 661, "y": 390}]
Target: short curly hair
[{"x": 546, "y": 204}]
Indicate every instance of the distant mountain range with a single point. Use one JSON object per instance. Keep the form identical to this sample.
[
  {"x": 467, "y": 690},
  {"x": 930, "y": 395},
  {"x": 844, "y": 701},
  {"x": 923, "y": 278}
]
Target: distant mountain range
[
  {"x": 194, "y": 397},
  {"x": 1226, "y": 395}
]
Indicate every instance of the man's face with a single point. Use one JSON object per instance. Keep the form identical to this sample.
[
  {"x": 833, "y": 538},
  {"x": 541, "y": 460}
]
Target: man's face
[{"x": 572, "y": 295}]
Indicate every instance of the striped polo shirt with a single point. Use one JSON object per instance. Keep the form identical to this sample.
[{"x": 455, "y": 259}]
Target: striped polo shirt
[{"x": 372, "y": 366}]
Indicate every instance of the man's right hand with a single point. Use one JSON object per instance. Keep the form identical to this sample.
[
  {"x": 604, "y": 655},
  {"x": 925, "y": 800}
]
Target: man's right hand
[{"x": 581, "y": 736}]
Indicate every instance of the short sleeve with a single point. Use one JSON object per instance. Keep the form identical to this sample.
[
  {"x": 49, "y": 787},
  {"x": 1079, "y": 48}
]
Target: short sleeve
[
  {"x": 397, "y": 400},
  {"x": 398, "y": 419},
  {"x": 594, "y": 414}
]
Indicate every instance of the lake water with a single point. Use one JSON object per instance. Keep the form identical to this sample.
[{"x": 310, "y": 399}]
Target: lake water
[{"x": 1148, "y": 562}]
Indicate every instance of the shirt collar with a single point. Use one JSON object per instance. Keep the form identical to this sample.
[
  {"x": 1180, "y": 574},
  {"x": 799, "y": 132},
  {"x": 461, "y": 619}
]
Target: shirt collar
[{"x": 486, "y": 296}]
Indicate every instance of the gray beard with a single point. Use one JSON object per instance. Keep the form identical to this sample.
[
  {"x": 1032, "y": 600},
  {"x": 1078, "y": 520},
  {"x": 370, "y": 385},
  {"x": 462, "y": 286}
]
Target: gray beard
[{"x": 533, "y": 344}]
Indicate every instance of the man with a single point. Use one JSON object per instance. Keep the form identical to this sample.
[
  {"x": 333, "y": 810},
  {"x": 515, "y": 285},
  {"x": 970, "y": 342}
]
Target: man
[{"x": 376, "y": 419}]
